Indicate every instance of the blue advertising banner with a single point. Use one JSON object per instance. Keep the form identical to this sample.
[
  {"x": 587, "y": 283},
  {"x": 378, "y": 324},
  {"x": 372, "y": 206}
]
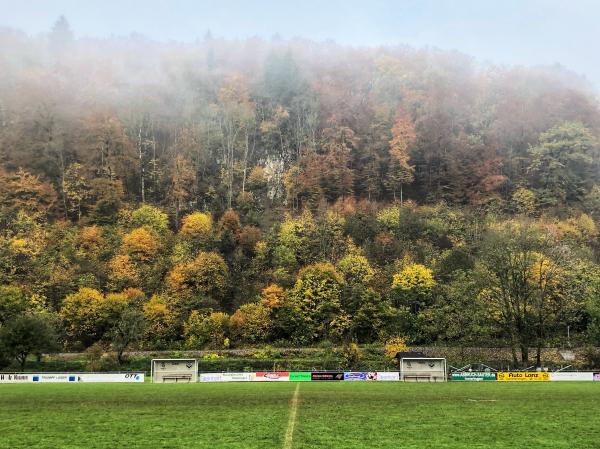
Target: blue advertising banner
[{"x": 355, "y": 376}]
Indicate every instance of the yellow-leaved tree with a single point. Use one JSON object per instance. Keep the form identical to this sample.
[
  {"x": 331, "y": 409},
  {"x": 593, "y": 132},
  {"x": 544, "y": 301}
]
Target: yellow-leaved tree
[
  {"x": 140, "y": 244},
  {"x": 413, "y": 285},
  {"x": 197, "y": 227},
  {"x": 251, "y": 323},
  {"x": 393, "y": 346}
]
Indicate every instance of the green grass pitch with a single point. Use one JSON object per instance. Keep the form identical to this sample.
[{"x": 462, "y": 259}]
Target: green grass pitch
[{"x": 328, "y": 415}]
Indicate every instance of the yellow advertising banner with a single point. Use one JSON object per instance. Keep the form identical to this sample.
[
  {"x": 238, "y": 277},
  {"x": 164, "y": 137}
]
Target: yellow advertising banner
[{"x": 523, "y": 376}]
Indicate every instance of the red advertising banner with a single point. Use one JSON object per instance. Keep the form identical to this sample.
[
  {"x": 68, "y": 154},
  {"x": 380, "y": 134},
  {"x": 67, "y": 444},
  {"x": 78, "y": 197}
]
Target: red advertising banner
[{"x": 272, "y": 376}]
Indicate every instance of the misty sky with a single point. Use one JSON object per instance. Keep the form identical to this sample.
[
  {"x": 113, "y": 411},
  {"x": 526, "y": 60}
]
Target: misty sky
[{"x": 530, "y": 32}]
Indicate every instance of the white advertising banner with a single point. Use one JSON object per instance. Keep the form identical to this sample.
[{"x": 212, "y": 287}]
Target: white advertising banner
[
  {"x": 272, "y": 376},
  {"x": 388, "y": 376},
  {"x": 71, "y": 377},
  {"x": 111, "y": 377},
  {"x": 14, "y": 378},
  {"x": 54, "y": 377},
  {"x": 572, "y": 376},
  {"x": 227, "y": 377}
]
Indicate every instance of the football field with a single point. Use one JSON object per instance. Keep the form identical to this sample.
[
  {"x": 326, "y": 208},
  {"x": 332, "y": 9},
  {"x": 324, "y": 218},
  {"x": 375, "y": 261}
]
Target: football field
[{"x": 301, "y": 415}]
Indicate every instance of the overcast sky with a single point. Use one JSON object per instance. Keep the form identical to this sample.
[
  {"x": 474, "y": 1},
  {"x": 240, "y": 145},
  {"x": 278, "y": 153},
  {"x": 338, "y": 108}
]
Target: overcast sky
[{"x": 529, "y": 32}]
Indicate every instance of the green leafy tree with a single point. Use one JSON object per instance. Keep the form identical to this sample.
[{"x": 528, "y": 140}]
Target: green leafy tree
[
  {"x": 28, "y": 334},
  {"x": 211, "y": 330},
  {"x": 12, "y": 303},
  {"x": 127, "y": 329},
  {"x": 564, "y": 164},
  {"x": 251, "y": 323},
  {"x": 88, "y": 315},
  {"x": 150, "y": 216},
  {"x": 313, "y": 304}
]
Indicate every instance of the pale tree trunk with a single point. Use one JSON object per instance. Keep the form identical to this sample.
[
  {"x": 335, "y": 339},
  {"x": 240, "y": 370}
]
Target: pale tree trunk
[
  {"x": 401, "y": 195},
  {"x": 141, "y": 158}
]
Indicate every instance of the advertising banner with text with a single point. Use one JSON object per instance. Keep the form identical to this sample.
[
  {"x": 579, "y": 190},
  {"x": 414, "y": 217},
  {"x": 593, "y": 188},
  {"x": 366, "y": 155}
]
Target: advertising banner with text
[
  {"x": 523, "y": 376},
  {"x": 272, "y": 376},
  {"x": 327, "y": 376},
  {"x": 388, "y": 376},
  {"x": 597, "y": 376},
  {"x": 227, "y": 377},
  {"x": 572, "y": 376},
  {"x": 474, "y": 376},
  {"x": 15, "y": 378},
  {"x": 111, "y": 377},
  {"x": 355, "y": 376},
  {"x": 300, "y": 376},
  {"x": 72, "y": 377}
]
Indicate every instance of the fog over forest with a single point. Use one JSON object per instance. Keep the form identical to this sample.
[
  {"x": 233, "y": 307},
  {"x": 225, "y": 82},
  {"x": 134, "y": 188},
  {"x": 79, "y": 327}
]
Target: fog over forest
[{"x": 225, "y": 192}]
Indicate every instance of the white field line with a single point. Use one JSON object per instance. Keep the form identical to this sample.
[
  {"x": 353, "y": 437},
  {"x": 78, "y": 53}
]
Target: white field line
[{"x": 289, "y": 433}]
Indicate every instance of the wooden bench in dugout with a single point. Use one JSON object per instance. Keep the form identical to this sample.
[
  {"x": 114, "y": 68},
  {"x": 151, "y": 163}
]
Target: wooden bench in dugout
[{"x": 177, "y": 377}]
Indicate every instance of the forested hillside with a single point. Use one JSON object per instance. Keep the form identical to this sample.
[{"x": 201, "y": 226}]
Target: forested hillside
[{"x": 231, "y": 193}]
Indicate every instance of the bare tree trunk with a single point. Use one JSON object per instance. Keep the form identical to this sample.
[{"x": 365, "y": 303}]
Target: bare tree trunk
[
  {"x": 141, "y": 158},
  {"x": 401, "y": 195},
  {"x": 524, "y": 354},
  {"x": 246, "y": 151}
]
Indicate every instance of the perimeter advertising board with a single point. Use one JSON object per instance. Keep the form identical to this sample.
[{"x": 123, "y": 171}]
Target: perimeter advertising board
[
  {"x": 227, "y": 377},
  {"x": 54, "y": 378},
  {"x": 111, "y": 377},
  {"x": 572, "y": 376},
  {"x": 72, "y": 377},
  {"x": 352, "y": 376},
  {"x": 15, "y": 378},
  {"x": 473, "y": 376},
  {"x": 597, "y": 377},
  {"x": 272, "y": 376},
  {"x": 388, "y": 376},
  {"x": 524, "y": 376},
  {"x": 327, "y": 376},
  {"x": 361, "y": 375},
  {"x": 300, "y": 376}
]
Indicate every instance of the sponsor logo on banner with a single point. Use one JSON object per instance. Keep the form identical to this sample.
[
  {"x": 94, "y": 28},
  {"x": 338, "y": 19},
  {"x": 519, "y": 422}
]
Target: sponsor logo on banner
[
  {"x": 473, "y": 376},
  {"x": 300, "y": 376},
  {"x": 572, "y": 376},
  {"x": 327, "y": 376},
  {"x": 54, "y": 378},
  {"x": 226, "y": 377},
  {"x": 14, "y": 378},
  {"x": 111, "y": 377},
  {"x": 357, "y": 376},
  {"x": 273, "y": 376},
  {"x": 68, "y": 377},
  {"x": 211, "y": 377},
  {"x": 523, "y": 376},
  {"x": 388, "y": 376},
  {"x": 597, "y": 376}
]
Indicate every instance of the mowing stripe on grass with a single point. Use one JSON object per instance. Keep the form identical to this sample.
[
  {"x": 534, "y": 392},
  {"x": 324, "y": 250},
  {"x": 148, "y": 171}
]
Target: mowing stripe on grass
[{"x": 289, "y": 433}]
